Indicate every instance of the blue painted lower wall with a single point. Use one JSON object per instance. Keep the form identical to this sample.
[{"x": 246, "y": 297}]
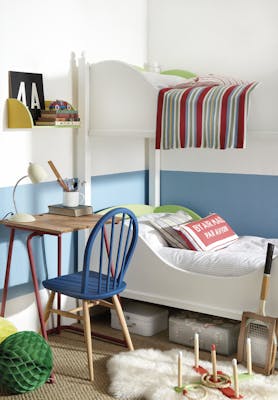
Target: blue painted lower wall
[
  {"x": 115, "y": 189},
  {"x": 249, "y": 203}
]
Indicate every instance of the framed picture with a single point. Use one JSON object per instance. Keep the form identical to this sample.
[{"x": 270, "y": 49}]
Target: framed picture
[{"x": 27, "y": 88}]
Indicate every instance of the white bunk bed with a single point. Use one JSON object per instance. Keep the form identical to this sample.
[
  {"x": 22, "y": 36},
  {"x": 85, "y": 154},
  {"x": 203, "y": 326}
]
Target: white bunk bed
[{"x": 108, "y": 107}]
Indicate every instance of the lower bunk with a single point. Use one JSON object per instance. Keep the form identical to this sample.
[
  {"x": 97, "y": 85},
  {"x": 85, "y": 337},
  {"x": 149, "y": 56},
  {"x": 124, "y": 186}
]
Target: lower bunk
[{"x": 198, "y": 281}]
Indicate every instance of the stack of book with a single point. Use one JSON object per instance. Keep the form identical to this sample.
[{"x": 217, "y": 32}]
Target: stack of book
[
  {"x": 78, "y": 211},
  {"x": 58, "y": 118}
]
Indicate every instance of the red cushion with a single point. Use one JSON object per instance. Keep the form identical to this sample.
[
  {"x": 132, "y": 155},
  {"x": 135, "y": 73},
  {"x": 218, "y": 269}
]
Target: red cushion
[{"x": 209, "y": 233}]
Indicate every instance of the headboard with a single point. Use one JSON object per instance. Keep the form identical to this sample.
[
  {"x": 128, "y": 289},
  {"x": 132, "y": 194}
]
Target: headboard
[
  {"x": 112, "y": 85},
  {"x": 105, "y": 90}
]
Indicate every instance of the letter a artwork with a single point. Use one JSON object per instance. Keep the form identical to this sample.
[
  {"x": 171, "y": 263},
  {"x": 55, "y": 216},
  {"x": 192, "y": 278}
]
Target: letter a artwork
[{"x": 27, "y": 88}]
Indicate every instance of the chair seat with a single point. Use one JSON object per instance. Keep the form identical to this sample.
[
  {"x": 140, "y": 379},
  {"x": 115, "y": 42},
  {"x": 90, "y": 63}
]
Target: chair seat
[{"x": 70, "y": 285}]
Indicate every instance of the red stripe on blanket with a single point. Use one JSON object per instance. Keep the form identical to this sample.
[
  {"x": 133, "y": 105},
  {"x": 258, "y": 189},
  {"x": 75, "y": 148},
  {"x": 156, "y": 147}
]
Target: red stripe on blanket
[
  {"x": 183, "y": 117},
  {"x": 241, "y": 118},
  {"x": 223, "y": 123},
  {"x": 199, "y": 118},
  {"x": 159, "y": 117}
]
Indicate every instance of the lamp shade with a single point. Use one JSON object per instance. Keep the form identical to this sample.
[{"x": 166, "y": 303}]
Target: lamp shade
[{"x": 36, "y": 173}]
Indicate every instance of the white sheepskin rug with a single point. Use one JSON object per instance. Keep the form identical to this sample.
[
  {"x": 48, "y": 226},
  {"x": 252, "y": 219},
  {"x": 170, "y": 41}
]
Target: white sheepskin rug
[{"x": 152, "y": 375}]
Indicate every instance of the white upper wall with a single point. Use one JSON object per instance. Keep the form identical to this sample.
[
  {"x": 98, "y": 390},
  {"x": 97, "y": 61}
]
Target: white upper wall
[
  {"x": 39, "y": 36},
  {"x": 238, "y": 38}
]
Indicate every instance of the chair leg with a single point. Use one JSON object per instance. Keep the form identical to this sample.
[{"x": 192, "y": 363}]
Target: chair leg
[
  {"x": 48, "y": 306},
  {"x": 122, "y": 320},
  {"x": 88, "y": 338}
]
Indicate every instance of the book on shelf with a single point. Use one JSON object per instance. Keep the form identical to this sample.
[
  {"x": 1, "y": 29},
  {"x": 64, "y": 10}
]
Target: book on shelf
[
  {"x": 78, "y": 211},
  {"x": 47, "y": 116},
  {"x": 58, "y": 118},
  {"x": 60, "y": 122},
  {"x": 45, "y": 123},
  {"x": 68, "y": 118},
  {"x": 43, "y": 119},
  {"x": 68, "y": 112},
  {"x": 67, "y": 123},
  {"x": 55, "y": 114}
]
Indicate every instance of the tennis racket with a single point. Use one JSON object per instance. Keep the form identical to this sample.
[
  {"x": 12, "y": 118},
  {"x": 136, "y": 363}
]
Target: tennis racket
[{"x": 260, "y": 328}]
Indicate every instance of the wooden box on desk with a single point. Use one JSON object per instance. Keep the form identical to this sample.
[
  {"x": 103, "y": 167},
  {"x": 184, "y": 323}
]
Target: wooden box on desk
[{"x": 78, "y": 211}]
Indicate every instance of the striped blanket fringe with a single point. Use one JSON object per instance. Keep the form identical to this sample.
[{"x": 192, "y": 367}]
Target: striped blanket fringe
[{"x": 203, "y": 117}]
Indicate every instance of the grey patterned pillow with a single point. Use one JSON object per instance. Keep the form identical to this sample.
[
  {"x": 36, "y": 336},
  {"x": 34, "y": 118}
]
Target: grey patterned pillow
[{"x": 165, "y": 225}]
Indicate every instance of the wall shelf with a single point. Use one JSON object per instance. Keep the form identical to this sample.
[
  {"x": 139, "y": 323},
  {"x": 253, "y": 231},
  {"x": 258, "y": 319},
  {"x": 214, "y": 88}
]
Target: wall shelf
[{"x": 19, "y": 116}]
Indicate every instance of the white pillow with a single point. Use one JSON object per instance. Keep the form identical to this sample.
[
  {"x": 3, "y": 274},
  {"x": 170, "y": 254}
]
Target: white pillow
[
  {"x": 161, "y": 81},
  {"x": 150, "y": 235}
]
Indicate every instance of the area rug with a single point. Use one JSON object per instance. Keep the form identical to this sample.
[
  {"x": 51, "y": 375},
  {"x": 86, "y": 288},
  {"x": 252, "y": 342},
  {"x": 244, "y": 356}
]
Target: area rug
[{"x": 153, "y": 374}]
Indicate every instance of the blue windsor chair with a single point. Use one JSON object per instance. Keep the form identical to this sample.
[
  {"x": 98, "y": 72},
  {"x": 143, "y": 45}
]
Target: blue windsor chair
[{"x": 108, "y": 253}]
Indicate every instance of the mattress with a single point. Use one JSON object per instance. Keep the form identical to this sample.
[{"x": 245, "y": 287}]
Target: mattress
[{"x": 241, "y": 257}]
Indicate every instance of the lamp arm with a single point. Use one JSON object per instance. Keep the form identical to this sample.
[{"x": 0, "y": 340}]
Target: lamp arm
[{"x": 14, "y": 189}]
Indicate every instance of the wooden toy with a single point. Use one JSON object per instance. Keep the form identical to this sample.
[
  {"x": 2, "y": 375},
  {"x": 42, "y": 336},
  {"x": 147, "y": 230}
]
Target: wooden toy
[
  {"x": 180, "y": 369},
  {"x": 228, "y": 386},
  {"x": 196, "y": 349}
]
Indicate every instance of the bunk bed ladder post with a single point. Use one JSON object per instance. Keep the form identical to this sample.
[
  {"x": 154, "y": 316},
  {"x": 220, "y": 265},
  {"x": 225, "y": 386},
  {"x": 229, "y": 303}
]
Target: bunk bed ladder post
[
  {"x": 82, "y": 146},
  {"x": 154, "y": 173}
]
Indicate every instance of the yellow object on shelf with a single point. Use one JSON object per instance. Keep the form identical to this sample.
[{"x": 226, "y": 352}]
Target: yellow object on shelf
[{"x": 18, "y": 115}]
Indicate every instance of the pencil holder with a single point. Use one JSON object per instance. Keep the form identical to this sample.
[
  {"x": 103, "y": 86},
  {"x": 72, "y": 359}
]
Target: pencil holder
[{"x": 72, "y": 199}]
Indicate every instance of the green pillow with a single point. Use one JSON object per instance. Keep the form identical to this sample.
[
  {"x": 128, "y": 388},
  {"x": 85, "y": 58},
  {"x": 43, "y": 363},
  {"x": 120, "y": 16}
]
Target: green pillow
[
  {"x": 138, "y": 209},
  {"x": 138, "y": 67},
  {"x": 179, "y": 72},
  {"x": 172, "y": 208}
]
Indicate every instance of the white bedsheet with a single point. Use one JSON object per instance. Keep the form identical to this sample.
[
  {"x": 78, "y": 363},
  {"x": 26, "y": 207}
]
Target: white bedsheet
[{"x": 242, "y": 257}]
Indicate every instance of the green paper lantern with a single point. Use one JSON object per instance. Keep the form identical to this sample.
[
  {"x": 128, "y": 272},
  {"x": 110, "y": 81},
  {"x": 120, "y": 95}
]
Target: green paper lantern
[
  {"x": 6, "y": 329},
  {"x": 25, "y": 362}
]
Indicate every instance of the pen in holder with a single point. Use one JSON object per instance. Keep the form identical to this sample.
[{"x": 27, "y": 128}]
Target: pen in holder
[{"x": 72, "y": 184}]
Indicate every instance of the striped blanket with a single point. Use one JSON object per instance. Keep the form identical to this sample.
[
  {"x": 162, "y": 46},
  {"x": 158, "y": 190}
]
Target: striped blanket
[{"x": 203, "y": 116}]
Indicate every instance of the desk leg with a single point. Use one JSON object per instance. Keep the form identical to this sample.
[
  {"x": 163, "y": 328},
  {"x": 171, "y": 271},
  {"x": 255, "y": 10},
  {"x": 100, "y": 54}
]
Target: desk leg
[
  {"x": 7, "y": 275},
  {"x": 37, "y": 292},
  {"x": 35, "y": 282},
  {"x": 59, "y": 271}
]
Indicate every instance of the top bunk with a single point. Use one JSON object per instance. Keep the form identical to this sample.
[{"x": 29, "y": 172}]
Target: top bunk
[
  {"x": 174, "y": 109},
  {"x": 123, "y": 99}
]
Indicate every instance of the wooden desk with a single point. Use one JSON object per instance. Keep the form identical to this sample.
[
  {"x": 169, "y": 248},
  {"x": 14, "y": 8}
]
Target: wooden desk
[
  {"x": 45, "y": 224},
  {"x": 53, "y": 224}
]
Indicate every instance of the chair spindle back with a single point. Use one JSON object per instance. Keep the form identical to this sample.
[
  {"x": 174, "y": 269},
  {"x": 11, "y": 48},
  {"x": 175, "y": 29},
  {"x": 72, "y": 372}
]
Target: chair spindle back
[{"x": 112, "y": 243}]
